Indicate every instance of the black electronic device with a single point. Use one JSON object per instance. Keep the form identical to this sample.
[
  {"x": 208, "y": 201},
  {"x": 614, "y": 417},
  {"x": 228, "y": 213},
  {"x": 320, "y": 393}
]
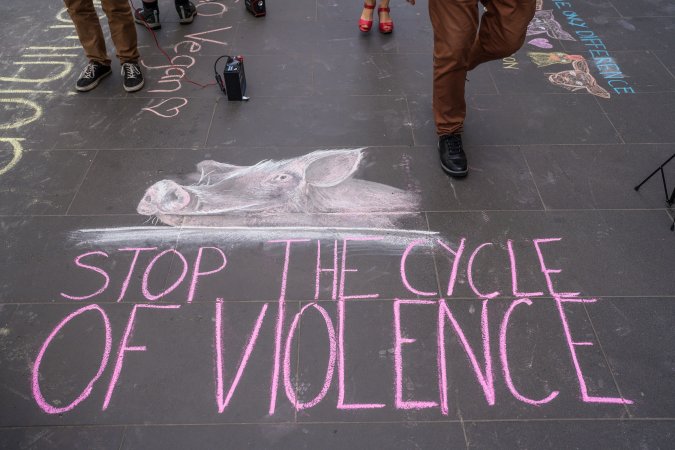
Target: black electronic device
[
  {"x": 233, "y": 80},
  {"x": 256, "y": 7}
]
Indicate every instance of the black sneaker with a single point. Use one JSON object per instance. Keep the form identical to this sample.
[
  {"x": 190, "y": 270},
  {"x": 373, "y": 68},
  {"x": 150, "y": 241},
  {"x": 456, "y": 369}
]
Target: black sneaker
[
  {"x": 148, "y": 17},
  {"x": 453, "y": 158},
  {"x": 186, "y": 11},
  {"x": 133, "y": 78},
  {"x": 91, "y": 76}
]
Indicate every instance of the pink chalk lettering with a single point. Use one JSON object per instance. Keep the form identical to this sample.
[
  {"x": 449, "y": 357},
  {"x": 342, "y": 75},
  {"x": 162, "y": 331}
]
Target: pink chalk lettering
[
  {"x": 486, "y": 378},
  {"x": 148, "y": 270},
  {"x": 163, "y": 110},
  {"x": 280, "y": 322},
  {"x": 341, "y": 366},
  {"x": 570, "y": 342},
  {"x": 290, "y": 389},
  {"x": 180, "y": 73},
  {"x": 220, "y": 12},
  {"x": 35, "y": 379},
  {"x": 457, "y": 255},
  {"x": 319, "y": 270},
  {"x": 505, "y": 360},
  {"x": 404, "y": 276},
  {"x": 190, "y": 63},
  {"x": 177, "y": 86},
  {"x": 93, "y": 268},
  {"x": 345, "y": 270},
  {"x": 124, "y": 347},
  {"x": 125, "y": 284},
  {"x": 194, "y": 47},
  {"x": 547, "y": 272},
  {"x": 250, "y": 345},
  {"x": 469, "y": 271},
  {"x": 196, "y": 36},
  {"x": 399, "y": 340},
  {"x": 198, "y": 273},
  {"x": 514, "y": 275}
]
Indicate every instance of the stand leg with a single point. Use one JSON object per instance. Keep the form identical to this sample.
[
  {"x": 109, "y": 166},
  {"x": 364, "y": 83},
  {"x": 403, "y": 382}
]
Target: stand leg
[{"x": 647, "y": 179}]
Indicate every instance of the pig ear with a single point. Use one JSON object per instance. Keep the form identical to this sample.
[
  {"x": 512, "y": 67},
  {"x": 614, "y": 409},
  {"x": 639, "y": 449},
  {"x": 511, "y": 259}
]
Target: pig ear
[
  {"x": 330, "y": 168},
  {"x": 215, "y": 167}
]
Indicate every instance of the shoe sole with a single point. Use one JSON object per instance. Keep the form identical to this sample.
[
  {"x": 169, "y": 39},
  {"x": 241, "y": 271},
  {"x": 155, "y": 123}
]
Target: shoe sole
[
  {"x": 146, "y": 24},
  {"x": 454, "y": 173},
  {"x": 92, "y": 85},
  {"x": 135, "y": 88}
]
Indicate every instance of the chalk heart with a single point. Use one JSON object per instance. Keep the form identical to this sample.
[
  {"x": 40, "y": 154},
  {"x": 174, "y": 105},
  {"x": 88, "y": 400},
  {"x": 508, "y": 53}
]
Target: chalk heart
[
  {"x": 168, "y": 108},
  {"x": 541, "y": 43}
]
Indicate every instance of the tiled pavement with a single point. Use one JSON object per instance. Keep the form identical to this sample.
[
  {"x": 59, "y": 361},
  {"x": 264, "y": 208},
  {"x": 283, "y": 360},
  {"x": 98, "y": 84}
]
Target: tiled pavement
[{"x": 549, "y": 168}]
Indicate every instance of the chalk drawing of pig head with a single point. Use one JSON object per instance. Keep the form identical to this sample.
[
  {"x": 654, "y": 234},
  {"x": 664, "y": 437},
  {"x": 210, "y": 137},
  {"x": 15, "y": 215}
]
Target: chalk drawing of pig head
[{"x": 316, "y": 189}]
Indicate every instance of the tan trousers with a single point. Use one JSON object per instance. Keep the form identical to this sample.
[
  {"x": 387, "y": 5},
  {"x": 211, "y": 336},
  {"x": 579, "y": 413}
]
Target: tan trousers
[
  {"x": 122, "y": 29},
  {"x": 460, "y": 46}
]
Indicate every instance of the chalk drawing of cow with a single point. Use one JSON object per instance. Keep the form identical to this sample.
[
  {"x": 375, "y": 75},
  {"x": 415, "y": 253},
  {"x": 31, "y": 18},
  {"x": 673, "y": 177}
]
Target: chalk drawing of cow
[
  {"x": 316, "y": 189},
  {"x": 579, "y": 78},
  {"x": 544, "y": 22}
]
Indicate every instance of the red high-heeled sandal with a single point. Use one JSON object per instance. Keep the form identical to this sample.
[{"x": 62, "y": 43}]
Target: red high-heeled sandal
[
  {"x": 385, "y": 27},
  {"x": 366, "y": 25}
]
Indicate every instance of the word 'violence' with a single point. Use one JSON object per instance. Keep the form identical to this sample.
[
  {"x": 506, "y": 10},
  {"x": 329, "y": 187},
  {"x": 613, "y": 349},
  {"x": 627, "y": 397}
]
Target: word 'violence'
[{"x": 336, "y": 328}]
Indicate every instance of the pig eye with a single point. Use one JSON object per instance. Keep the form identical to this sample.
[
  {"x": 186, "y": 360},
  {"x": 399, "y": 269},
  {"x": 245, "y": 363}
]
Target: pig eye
[{"x": 282, "y": 177}]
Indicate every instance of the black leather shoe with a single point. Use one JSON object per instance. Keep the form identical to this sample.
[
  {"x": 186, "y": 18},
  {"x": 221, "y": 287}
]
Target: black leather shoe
[{"x": 453, "y": 158}]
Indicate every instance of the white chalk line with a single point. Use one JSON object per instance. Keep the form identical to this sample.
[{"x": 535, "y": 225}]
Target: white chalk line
[{"x": 264, "y": 229}]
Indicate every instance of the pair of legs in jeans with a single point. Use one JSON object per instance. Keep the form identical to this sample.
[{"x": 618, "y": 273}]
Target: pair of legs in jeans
[
  {"x": 462, "y": 42},
  {"x": 123, "y": 33}
]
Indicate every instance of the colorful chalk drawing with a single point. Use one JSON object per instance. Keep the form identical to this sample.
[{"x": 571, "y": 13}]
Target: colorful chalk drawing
[
  {"x": 542, "y": 59},
  {"x": 273, "y": 208},
  {"x": 544, "y": 22},
  {"x": 541, "y": 43},
  {"x": 195, "y": 271},
  {"x": 317, "y": 189},
  {"x": 579, "y": 78},
  {"x": 318, "y": 182}
]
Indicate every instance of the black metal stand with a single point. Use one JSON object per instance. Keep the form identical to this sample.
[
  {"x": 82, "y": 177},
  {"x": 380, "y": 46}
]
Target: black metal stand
[{"x": 670, "y": 199}]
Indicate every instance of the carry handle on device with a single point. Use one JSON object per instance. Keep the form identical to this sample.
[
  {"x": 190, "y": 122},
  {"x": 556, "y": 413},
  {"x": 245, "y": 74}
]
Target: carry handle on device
[{"x": 233, "y": 81}]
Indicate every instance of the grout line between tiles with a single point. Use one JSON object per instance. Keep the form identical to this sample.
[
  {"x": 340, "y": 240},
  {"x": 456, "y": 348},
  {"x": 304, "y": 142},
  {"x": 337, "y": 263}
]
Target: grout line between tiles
[
  {"x": 79, "y": 186},
  {"x": 18, "y": 303},
  {"x": 534, "y": 181},
  {"x": 124, "y": 435},
  {"x": 662, "y": 63},
  {"x": 213, "y": 115},
  {"x": 604, "y": 355},
  {"x": 620, "y": 136},
  {"x": 347, "y": 422}
]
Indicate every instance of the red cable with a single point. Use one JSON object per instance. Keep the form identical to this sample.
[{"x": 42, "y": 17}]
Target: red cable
[{"x": 159, "y": 47}]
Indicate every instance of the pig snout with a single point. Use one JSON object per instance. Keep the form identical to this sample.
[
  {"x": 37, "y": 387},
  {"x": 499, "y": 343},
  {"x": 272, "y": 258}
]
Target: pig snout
[{"x": 165, "y": 197}]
